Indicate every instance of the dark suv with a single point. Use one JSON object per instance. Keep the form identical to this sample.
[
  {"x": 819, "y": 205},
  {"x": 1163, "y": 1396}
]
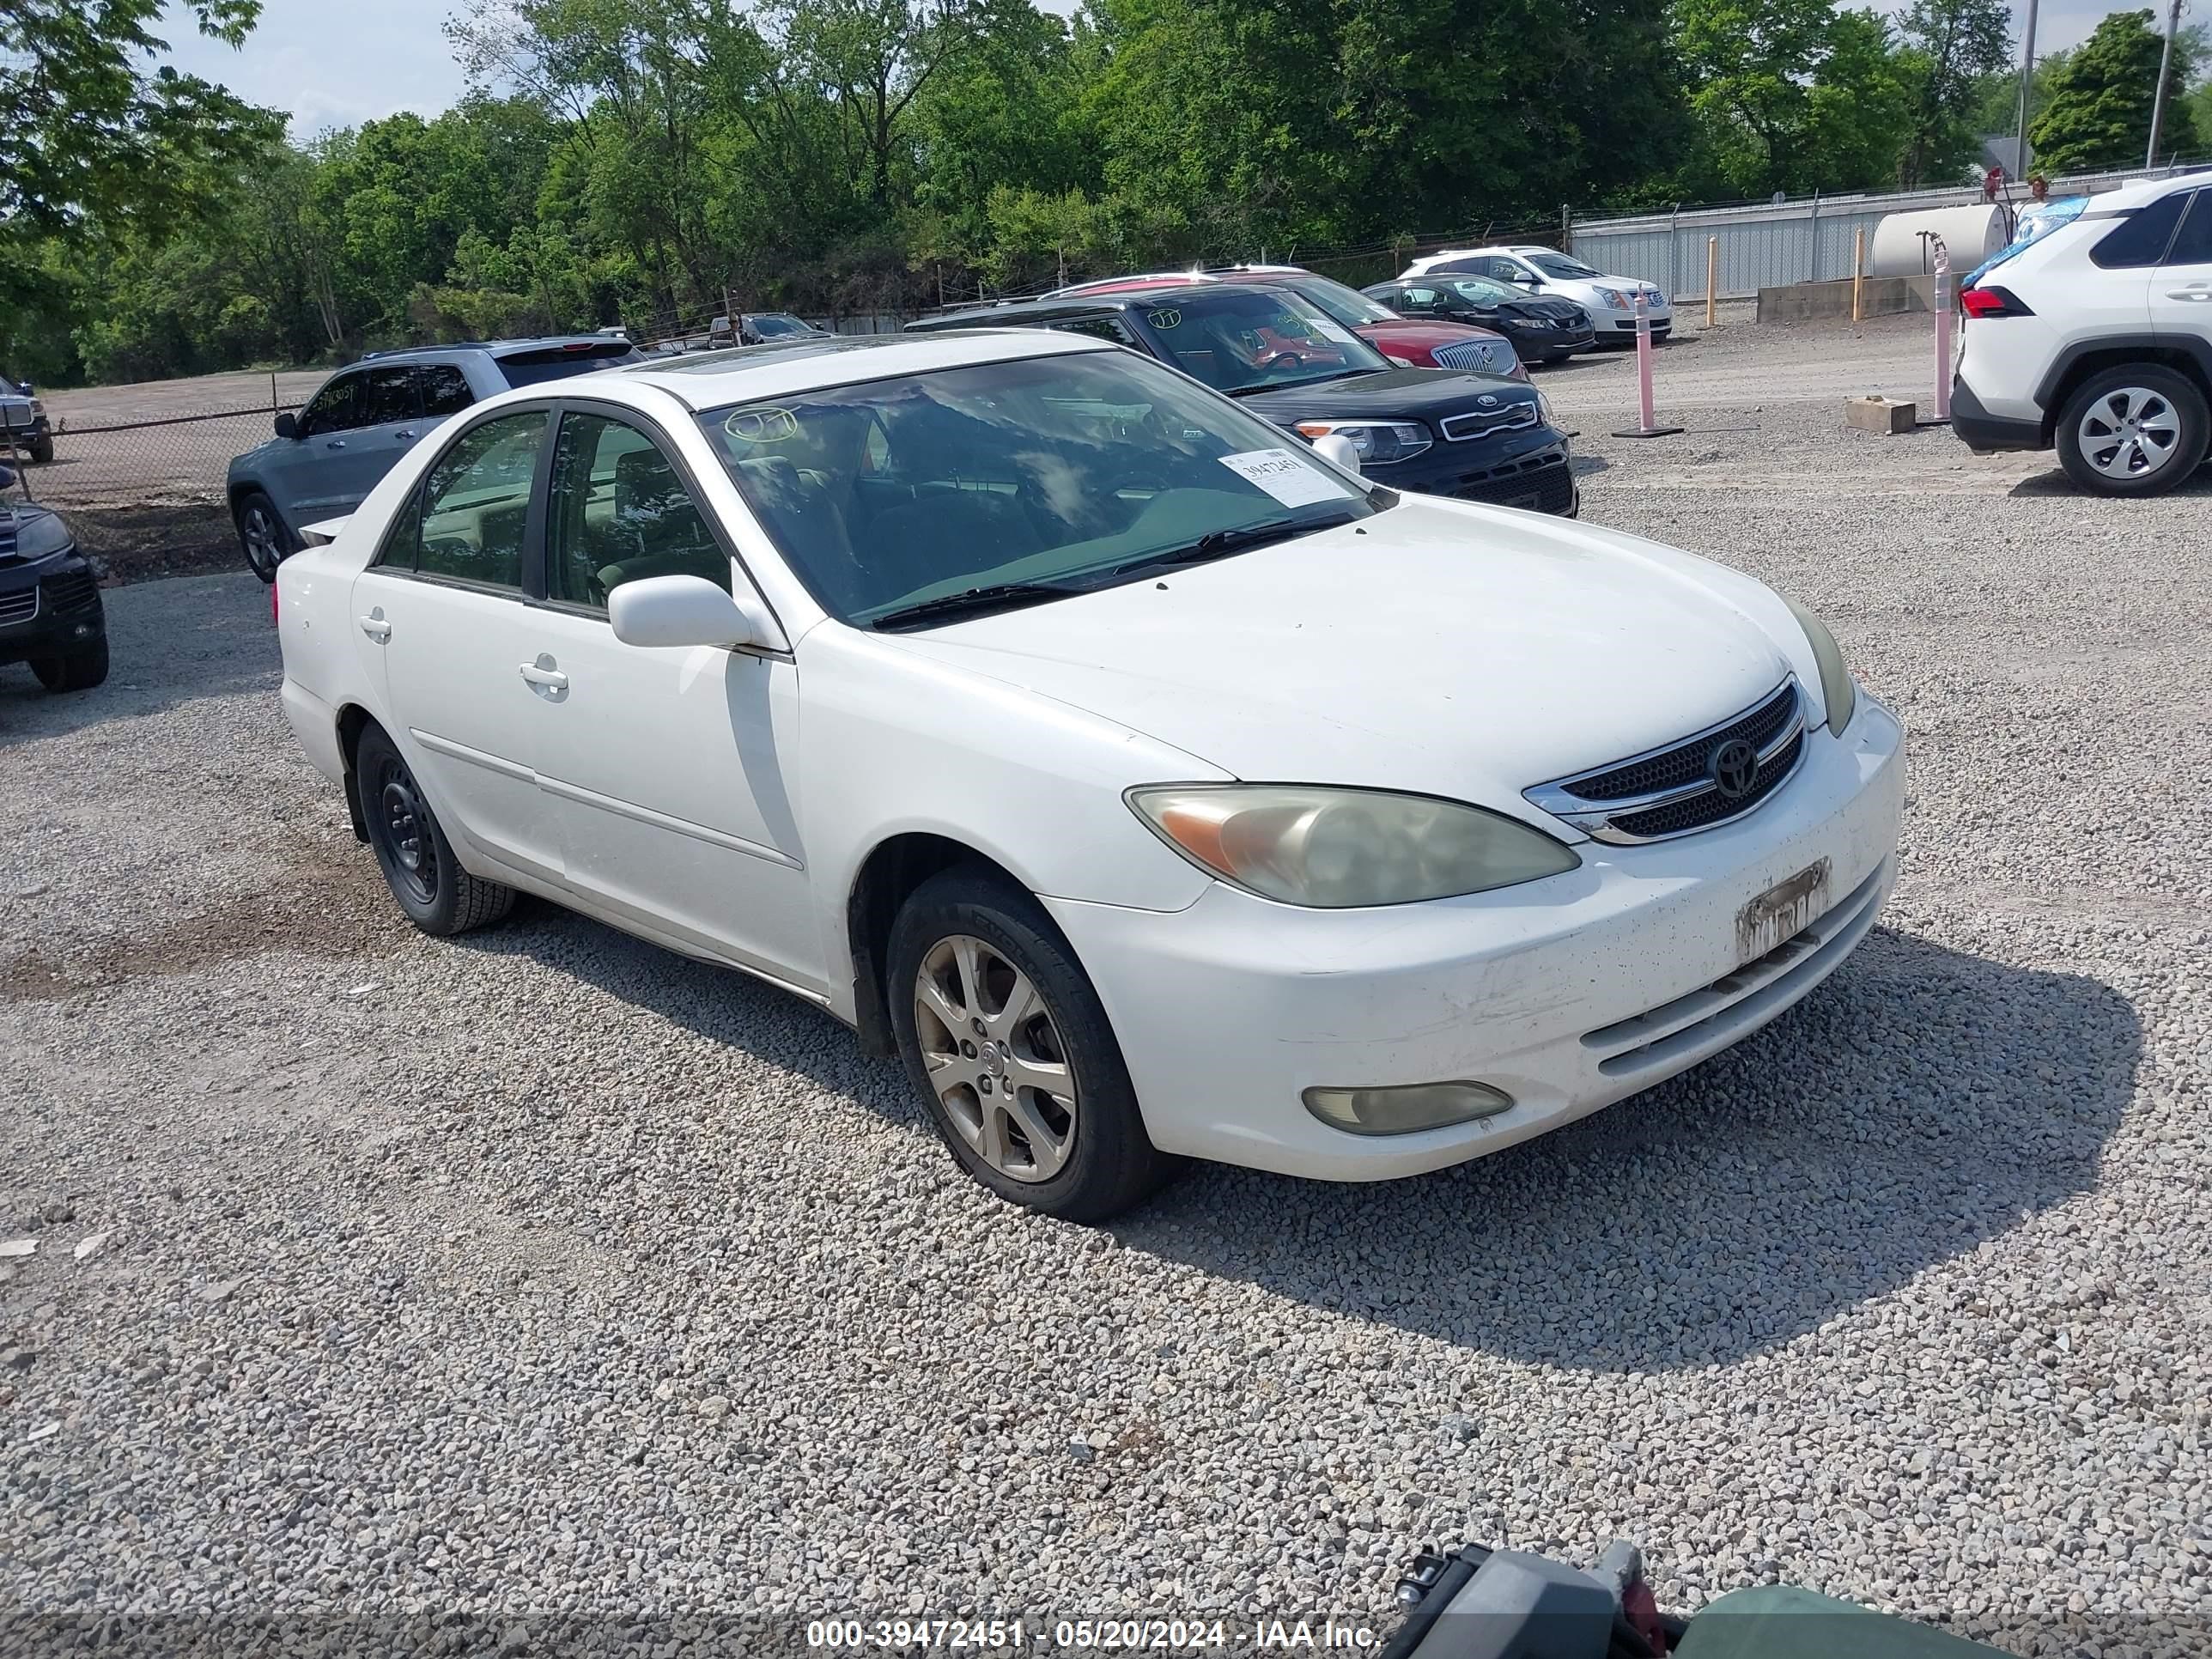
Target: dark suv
[
  {"x": 322, "y": 463},
  {"x": 1438, "y": 431},
  {"x": 50, "y": 616}
]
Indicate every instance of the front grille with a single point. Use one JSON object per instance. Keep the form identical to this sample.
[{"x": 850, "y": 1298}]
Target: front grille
[
  {"x": 1472, "y": 354},
  {"x": 1682, "y": 817},
  {"x": 1489, "y": 423},
  {"x": 1685, "y": 763},
  {"x": 1675, "y": 789},
  {"x": 1541, "y": 485},
  {"x": 73, "y": 590},
  {"x": 19, "y": 607}
]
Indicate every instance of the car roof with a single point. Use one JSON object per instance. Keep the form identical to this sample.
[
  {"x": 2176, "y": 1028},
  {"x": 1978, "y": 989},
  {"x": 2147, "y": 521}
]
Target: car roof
[
  {"x": 709, "y": 380},
  {"x": 463, "y": 347},
  {"x": 2148, "y": 189},
  {"x": 1080, "y": 304}
]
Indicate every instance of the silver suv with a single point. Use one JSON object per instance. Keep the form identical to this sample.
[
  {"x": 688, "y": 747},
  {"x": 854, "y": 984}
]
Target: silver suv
[{"x": 324, "y": 460}]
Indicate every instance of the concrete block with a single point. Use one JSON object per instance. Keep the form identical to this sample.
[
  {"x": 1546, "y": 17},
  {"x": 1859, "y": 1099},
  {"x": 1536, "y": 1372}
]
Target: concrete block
[
  {"x": 1883, "y": 296},
  {"x": 1884, "y": 415}
]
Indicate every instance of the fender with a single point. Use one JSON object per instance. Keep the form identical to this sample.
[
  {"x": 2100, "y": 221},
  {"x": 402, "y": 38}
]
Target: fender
[{"x": 2195, "y": 347}]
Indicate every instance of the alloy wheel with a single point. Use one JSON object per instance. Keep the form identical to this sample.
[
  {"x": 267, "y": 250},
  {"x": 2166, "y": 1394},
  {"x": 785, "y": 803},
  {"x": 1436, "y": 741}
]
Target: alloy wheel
[
  {"x": 264, "y": 548},
  {"x": 994, "y": 1057},
  {"x": 2129, "y": 433}
]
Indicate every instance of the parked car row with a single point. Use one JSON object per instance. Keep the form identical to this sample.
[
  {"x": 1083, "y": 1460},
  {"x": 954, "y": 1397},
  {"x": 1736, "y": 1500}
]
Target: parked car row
[{"x": 1076, "y": 710}]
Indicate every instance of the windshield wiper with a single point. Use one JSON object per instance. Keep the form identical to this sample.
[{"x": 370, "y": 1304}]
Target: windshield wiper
[
  {"x": 995, "y": 596},
  {"x": 1219, "y": 544}
]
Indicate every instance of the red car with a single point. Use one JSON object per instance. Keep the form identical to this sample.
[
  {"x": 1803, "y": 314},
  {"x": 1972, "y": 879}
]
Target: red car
[{"x": 1406, "y": 340}]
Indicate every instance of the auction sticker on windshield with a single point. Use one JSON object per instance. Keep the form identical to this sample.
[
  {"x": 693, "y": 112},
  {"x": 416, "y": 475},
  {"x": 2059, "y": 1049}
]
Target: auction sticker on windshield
[{"x": 1285, "y": 476}]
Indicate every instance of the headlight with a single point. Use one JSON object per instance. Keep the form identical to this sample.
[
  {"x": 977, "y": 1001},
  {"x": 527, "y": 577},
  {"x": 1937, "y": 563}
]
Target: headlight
[
  {"x": 38, "y": 406},
  {"x": 1836, "y": 690},
  {"x": 1544, "y": 410},
  {"x": 41, "y": 535},
  {"x": 1616, "y": 299},
  {"x": 1332, "y": 849},
  {"x": 1379, "y": 442}
]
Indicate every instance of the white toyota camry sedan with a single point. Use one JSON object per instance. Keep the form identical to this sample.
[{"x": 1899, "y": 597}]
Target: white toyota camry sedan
[{"x": 1150, "y": 781}]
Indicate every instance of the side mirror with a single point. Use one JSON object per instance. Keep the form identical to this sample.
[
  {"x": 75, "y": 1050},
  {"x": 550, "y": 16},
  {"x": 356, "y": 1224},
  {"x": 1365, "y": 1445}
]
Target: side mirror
[
  {"x": 1337, "y": 450},
  {"x": 686, "y": 610},
  {"x": 25, "y": 387},
  {"x": 287, "y": 426}
]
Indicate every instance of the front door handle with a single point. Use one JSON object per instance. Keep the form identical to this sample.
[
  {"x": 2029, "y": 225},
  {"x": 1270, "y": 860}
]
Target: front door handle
[
  {"x": 2200, "y": 292},
  {"x": 375, "y": 627},
  {"x": 334, "y": 443},
  {"x": 542, "y": 674},
  {"x": 404, "y": 437}
]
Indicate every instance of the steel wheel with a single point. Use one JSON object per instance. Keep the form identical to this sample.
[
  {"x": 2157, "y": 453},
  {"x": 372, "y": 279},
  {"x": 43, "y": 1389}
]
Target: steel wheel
[
  {"x": 994, "y": 1057},
  {"x": 2129, "y": 432},
  {"x": 263, "y": 540},
  {"x": 401, "y": 821}
]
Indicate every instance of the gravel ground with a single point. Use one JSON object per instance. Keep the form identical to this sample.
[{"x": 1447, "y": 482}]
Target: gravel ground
[{"x": 543, "y": 1275}]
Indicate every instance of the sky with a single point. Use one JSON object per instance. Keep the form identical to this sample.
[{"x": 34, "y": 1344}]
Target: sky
[{"x": 336, "y": 62}]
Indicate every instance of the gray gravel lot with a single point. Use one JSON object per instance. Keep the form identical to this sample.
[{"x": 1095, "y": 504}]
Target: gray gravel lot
[{"x": 545, "y": 1274}]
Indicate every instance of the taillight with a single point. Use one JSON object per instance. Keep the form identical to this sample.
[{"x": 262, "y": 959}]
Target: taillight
[
  {"x": 272, "y": 605},
  {"x": 1991, "y": 302}
]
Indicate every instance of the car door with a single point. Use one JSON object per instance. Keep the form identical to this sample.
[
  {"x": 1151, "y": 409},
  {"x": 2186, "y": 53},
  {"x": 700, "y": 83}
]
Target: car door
[
  {"x": 308, "y": 469},
  {"x": 442, "y": 623},
  {"x": 390, "y": 412},
  {"x": 664, "y": 768}
]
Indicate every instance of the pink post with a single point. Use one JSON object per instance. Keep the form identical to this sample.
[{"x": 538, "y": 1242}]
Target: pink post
[
  {"x": 1942, "y": 331},
  {"x": 1644, "y": 428}
]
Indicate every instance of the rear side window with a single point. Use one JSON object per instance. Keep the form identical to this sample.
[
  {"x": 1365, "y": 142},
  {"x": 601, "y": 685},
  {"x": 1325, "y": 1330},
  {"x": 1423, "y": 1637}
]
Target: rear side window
[
  {"x": 1099, "y": 328},
  {"x": 543, "y": 363},
  {"x": 2140, "y": 238},
  {"x": 475, "y": 505},
  {"x": 389, "y": 397},
  {"x": 2193, "y": 247},
  {"x": 444, "y": 389}
]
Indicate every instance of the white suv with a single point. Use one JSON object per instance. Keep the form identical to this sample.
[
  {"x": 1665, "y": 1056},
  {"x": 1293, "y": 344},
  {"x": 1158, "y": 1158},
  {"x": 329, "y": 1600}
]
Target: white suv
[
  {"x": 2095, "y": 339},
  {"x": 1610, "y": 301}
]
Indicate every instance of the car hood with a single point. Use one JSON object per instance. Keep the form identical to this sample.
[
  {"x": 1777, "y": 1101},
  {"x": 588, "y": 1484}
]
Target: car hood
[
  {"x": 1452, "y": 649},
  {"x": 1427, "y": 336},
  {"x": 1394, "y": 391}
]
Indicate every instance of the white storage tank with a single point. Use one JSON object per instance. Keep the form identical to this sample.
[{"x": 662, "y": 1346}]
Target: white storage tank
[{"x": 1901, "y": 246}]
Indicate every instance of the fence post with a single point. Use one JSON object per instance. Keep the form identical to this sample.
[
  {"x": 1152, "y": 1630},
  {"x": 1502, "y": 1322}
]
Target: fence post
[
  {"x": 1566, "y": 228},
  {"x": 1812, "y": 253},
  {"x": 1858, "y": 272},
  {"x": 1712, "y": 280},
  {"x": 1674, "y": 252}
]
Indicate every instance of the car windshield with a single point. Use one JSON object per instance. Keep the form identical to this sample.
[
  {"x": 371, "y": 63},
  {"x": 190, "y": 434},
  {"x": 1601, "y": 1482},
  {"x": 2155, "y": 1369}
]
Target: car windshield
[
  {"x": 1483, "y": 291},
  {"x": 1052, "y": 473},
  {"x": 1254, "y": 339},
  {"x": 1558, "y": 264},
  {"x": 774, "y": 323},
  {"x": 1347, "y": 305}
]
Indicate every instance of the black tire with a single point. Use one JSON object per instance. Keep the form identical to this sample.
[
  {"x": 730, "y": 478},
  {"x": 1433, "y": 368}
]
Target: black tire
[
  {"x": 42, "y": 451},
  {"x": 1110, "y": 1163},
  {"x": 438, "y": 896},
  {"x": 2170, "y": 468},
  {"x": 262, "y": 536},
  {"x": 78, "y": 670}
]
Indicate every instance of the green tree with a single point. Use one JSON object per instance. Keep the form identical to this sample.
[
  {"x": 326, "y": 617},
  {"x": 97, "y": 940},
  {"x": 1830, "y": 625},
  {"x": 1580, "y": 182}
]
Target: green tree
[
  {"x": 1953, "y": 47},
  {"x": 2098, "y": 115}
]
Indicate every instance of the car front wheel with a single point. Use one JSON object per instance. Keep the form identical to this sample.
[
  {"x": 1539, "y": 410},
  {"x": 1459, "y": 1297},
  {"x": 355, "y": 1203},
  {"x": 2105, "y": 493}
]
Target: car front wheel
[
  {"x": 1002, "y": 1033},
  {"x": 2136, "y": 430},
  {"x": 78, "y": 670},
  {"x": 419, "y": 866},
  {"x": 262, "y": 534}
]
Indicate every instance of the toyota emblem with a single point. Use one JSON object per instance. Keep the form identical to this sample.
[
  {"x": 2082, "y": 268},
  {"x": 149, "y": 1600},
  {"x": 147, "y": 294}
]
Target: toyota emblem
[
  {"x": 1734, "y": 768},
  {"x": 1485, "y": 401}
]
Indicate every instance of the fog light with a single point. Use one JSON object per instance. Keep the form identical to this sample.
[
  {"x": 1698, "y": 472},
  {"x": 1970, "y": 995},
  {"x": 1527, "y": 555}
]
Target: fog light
[{"x": 1402, "y": 1111}]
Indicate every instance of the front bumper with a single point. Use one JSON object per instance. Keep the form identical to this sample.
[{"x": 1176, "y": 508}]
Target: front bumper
[
  {"x": 1621, "y": 325},
  {"x": 1533, "y": 342},
  {"x": 1567, "y": 994},
  {"x": 49, "y": 609},
  {"x": 1527, "y": 468}
]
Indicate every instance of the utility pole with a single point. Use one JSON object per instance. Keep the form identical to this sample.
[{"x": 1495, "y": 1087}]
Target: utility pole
[
  {"x": 2158, "y": 100},
  {"x": 2026, "y": 75}
]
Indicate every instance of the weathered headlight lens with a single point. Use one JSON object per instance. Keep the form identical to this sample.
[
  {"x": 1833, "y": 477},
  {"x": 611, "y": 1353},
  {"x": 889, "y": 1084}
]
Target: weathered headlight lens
[
  {"x": 1838, "y": 694},
  {"x": 1330, "y": 848}
]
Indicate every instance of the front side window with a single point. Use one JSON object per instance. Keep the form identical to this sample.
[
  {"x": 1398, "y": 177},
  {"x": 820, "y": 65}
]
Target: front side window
[
  {"x": 1420, "y": 299},
  {"x": 338, "y": 407},
  {"x": 775, "y": 325},
  {"x": 619, "y": 511},
  {"x": 1238, "y": 340},
  {"x": 1052, "y": 474},
  {"x": 476, "y": 503},
  {"x": 1481, "y": 291},
  {"x": 2141, "y": 237},
  {"x": 1098, "y": 328}
]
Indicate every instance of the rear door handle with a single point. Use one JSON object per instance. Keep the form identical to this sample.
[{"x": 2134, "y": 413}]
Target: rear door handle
[
  {"x": 334, "y": 443},
  {"x": 404, "y": 437},
  {"x": 542, "y": 672},
  {"x": 2201, "y": 292},
  {"x": 375, "y": 627}
]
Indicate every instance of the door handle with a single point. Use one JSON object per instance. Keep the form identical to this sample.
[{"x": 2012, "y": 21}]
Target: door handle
[
  {"x": 375, "y": 627},
  {"x": 334, "y": 443},
  {"x": 543, "y": 673},
  {"x": 2201, "y": 292},
  {"x": 407, "y": 437}
]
